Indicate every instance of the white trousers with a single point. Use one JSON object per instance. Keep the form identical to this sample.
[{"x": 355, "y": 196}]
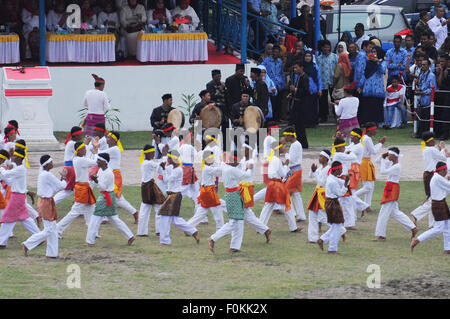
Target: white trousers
[
  {"x": 201, "y": 212},
  {"x": 367, "y": 191},
  {"x": 77, "y": 209},
  {"x": 349, "y": 211},
  {"x": 50, "y": 234},
  {"x": 164, "y": 227},
  {"x": 388, "y": 209},
  {"x": 94, "y": 226},
  {"x": 260, "y": 195},
  {"x": 267, "y": 212},
  {"x": 313, "y": 224},
  {"x": 192, "y": 191},
  {"x": 333, "y": 235},
  {"x": 236, "y": 228},
  {"x": 424, "y": 210},
  {"x": 125, "y": 205},
  {"x": 298, "y": 204},
  {"x": 32, "y": 212},
  {"x": 251, "y": 219},
  {"x": 439, "y": 227},
  {"x": 144, "y": 216},
  {"x": 359, "y": 204},
  {"x": 7, "y": 228},
  {"x": 61, "y": 195}
]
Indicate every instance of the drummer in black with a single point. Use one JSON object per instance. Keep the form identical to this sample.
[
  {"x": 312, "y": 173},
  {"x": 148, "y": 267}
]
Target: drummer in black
[
  {"x": 238, "y": 109},
  {"x": 206, "y": 99},
  {"x": 260, "y": 91},
  {"x": 160, "y": 113}
]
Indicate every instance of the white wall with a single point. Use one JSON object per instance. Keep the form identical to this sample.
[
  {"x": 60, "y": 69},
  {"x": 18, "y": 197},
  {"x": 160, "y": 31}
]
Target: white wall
[{"x": 136, "y": 90}]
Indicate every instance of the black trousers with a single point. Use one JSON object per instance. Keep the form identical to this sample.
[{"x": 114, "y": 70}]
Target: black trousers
[
  {"x": 323, "y": 105},
  {"x": 276, "y": 106},
  {"x": 299, "y": 125},
  {"x": 442, "y": 114},
  {"x": 424, "y": 114}
]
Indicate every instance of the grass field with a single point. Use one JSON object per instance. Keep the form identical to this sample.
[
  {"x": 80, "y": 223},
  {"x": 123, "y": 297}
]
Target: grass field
[
  {"x": 277, "y": 270},
  {"x": 320, "y": 136}
]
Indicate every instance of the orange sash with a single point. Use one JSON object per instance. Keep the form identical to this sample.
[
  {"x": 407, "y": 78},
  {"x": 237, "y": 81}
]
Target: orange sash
[
  {"x": 118, "y": 183},
  {"x": 277, "y": 193},
  {"x": 84, "y": 193},
  {"x": 367, "y": 170},
  {"x": 8, "y": 194},
  {"x": 3, "y": 202},
  {"x": 349, "y": 190},
  {"x": 355, "y": 175},
  {"x": 391, "y": 192},
  {"x": 317, "y": 200},
  {"x": 208, "y": 197},
  {"x": 294, "y": 182}
]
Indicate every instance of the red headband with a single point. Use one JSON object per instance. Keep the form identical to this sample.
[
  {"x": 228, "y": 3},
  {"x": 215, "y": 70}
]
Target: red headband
[
  {"x": 440, "y": 168},
  {"x": 72, "y": 134},
  {"x": 169, "y": 128},
  {"x": 10, "y": 132},
  {"x": 15, "y": 128},
  {"x": 234, "y": 157},
  {"x": 183, "y": 140},
  {"x": 334, "y": 168},
  {"x": 271, "y": 127},
  {"x": 370, "y": 128}
]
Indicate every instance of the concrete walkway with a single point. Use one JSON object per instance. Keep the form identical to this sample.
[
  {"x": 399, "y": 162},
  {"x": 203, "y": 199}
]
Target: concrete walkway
[{"x": 412, "y": 165}]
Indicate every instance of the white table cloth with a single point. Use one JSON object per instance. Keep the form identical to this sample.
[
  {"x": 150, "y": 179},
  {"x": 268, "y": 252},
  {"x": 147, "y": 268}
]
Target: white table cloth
[
  {"x": 84, "y": 48},
  {"x": 9, "y": 49},
  {"x": 176, "y": 47}
]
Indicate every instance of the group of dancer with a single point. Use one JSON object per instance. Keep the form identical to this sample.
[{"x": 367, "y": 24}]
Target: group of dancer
[{"x": 96, "y": 161}]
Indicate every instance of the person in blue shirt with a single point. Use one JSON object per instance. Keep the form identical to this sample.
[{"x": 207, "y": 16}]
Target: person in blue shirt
[
  {"x": 436, "y": 4},
  {"x": 373, "y": 90},
  {"x": 396, "y": 59},
  {"x": 360, "y": 64},
  {"x": 326, "y": 61},
  {"x": 274, "y": 67},
  {"x": 425, "y": 82}
]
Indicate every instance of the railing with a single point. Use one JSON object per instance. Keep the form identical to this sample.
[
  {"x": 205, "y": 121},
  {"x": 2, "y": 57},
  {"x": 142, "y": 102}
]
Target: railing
[{"x": 229, "y": 25}]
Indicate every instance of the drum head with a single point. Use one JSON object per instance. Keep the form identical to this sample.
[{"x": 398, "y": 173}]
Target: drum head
[
  {"x": 253, "y": 118},
  {"x": 176, "y": 117},
  {"x": 211, "y": 116}
]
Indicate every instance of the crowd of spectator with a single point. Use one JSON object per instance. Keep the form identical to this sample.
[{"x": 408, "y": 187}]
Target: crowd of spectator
[{"x": 125, "y": 18}]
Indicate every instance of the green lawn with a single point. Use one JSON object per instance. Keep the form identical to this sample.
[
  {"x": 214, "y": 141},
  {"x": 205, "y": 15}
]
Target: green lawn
[
  {"x": 185, "y": 270},
  {"x": 320, "y": 136}
]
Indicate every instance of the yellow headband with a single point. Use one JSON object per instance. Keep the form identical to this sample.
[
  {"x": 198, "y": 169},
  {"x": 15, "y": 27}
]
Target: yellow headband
[
  {"x": 79, "y": 148},
  {"x": 119, "y": 144},
  {"x": 333, "y": 150},
  {"x": 141, "y": 158},
  {"x": 424, "y": 143},
  {"x": 3, "y": 156},
  {"x": 22, "y": 146},
  {"x": 176, "y": 158},
  {"x": 211, "y": 138},
  {"x": 289, "y": 133},
  {"x": 24, "y": 157},
  {"x": 272, "y": 152},
  {"x": 204, "y": 160},
  {"x": 355, "y": 134}
]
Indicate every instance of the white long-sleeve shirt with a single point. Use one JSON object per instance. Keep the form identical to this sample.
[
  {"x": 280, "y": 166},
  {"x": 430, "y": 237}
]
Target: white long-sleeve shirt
[
  {"x": 187, "y": 153},
  {"x": 276, "y": 169},
  {"x": 96, "y": 101},
  {"x": 345, "y": 159},
  {"x": 115, "y": 156},
  {"x": 209, "y": 173},
  {"x": 347, "y": 108},
  {"x": 320, "y": 175},
  {"x": 335, "y": 187},
  {"x": 356, "y": 149},
  {"x": 173, "y": 177},
  {"x": 431, "y": 156},
  {"x": 69, "y": 152},
  {"x": 232, "y": 176},
  {"x": 391, "y": 170},
  {"x": 369, "y": 148},
  {"x": 268, "y": 140},
  {"x": 189, "y": 11},
  {"x": 439, "y": 186},
  {"x": 111, "y": 17},
  {"x": 243, "y": 165},
  {"x": 81, "y": 166},
  {"x": 173, "y": 142},
  {"x": 48, "y": 184},
  {"x": 295, "y": 154},
  {"x": 53, "y": 19},
  {"x": 438, "y": 29},
  {"x": 149, "y": 169},
  {"x": 16, "y": 178},
  {"x": 105, "y": 180}
]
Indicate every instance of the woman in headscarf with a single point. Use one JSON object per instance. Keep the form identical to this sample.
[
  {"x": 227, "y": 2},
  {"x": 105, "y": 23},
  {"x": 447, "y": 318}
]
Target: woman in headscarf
[
  {"x": 341, "y": 76},
  {"x": 345, "y": 37},
  {"x": 373, "y": 90},
  {"x": 132, "y": 20},
  {"x": 341, "y": 48},
  {"x": 159, "y": 14},
  {"x": 270, "y": 86},
  {"x": 311, "y": 112},
  {"x": 88, "y": 14}
]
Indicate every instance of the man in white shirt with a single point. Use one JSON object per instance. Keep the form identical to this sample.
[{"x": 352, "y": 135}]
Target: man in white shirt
[
  {"x": 438, "y": 24},
  {"x": 97, "y": 103},
  {"x": 184, "y": 10},
  {"x": 360, "y": 35}
]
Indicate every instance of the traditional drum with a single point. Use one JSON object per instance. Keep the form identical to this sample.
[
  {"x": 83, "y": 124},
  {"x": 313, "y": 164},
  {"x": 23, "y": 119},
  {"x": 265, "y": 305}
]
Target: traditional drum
[
  {"x": 176, "y": 117},
  {"x": 253, "y": 118},
  {"x": 211, "y": 116}
]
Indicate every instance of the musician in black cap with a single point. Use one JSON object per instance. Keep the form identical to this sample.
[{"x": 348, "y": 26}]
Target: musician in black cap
[
  {"x": 235, "y": 85},
  {"x": 260, "y": 91},
  {"x": 160, "y": 113},
  {"x": 205, "y": 100},
  {"x": 238, "y": 109}
]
